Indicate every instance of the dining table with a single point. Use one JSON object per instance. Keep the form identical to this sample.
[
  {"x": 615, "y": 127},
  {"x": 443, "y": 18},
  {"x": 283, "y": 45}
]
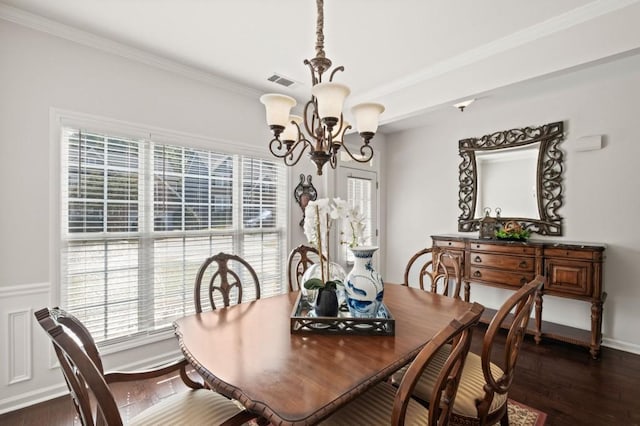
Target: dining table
[{"x": 248, "y": 352}]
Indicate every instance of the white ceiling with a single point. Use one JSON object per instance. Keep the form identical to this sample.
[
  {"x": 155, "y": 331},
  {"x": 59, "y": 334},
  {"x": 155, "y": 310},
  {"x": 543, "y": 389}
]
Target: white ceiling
[{"x": 415, "y": 56}]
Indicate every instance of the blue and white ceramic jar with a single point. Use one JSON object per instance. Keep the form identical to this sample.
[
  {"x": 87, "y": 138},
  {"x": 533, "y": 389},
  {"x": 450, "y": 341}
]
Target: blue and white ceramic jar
[{"x": 363, "y": 285}]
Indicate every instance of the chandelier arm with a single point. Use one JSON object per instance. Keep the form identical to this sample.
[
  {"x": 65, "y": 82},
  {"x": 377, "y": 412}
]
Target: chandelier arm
[
  {"x": 310, "y": 124},
  {"x": 339, "y": 132},
  {"x": 333, "y": 161},
  {"x": 289, "y": 160},
  {"x": 276, "y": 146},
  {"x": 365, "y": 150},
  {"x": 335, "y": 70},
  {"x": 314, "y": 80}
]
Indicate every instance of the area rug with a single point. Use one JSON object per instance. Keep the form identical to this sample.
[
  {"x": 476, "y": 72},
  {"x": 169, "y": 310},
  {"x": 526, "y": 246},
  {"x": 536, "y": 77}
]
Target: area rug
[{"x": 523, "y": 415}]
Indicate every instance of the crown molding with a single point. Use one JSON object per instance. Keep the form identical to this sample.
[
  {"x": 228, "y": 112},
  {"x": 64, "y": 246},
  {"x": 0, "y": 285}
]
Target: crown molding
[
  {"x": 39, "y": 23},
  {"x": 527, "y": 35}
]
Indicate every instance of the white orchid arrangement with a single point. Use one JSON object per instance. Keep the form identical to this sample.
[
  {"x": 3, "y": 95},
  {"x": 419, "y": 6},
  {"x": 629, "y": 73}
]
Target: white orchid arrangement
[
  {"x": 320, "y": 217},
  {"x": 354, "y": 228}
]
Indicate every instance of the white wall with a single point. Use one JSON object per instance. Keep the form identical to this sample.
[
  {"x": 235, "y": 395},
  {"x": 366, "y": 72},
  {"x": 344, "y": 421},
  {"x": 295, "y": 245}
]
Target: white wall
[
  {"x": 601, "y": 191},
  {"x": 39, "y": 72}
]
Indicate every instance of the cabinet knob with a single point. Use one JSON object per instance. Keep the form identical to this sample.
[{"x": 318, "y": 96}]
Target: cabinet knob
[
  {"x": 477, "y": 259},
  {"x": 449, "y": 243},
  {"x": 477, "y": 274},
  {"x": 523, "y": 281},
  {"x": 523, "y": 264}
]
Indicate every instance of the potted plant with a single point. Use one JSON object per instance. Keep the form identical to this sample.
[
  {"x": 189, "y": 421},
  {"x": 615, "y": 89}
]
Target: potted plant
[
  {"x": 512, "y": 231},
  {"x": 320, "y": 217}
]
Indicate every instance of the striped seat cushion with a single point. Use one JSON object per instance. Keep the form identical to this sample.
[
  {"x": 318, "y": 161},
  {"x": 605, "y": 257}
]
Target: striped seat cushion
[
  {"x": 471, "y": 383},
  {"x": 193, "y": 407},
  {"x": 374, "y": 407}
]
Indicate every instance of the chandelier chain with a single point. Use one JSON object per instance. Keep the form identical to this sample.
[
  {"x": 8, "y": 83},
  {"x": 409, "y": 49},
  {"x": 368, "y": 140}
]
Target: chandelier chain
[{"x": 319, "y": 29}]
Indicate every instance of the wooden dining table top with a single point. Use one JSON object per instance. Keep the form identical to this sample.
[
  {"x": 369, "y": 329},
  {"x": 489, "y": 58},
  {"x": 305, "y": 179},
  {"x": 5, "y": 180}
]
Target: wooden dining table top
[{"x": 247, "y": 352}]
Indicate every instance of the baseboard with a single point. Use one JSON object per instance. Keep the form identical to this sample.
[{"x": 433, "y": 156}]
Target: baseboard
[
  {"x": 27, "y": 399},
  {"x": 621, "y": 345}
]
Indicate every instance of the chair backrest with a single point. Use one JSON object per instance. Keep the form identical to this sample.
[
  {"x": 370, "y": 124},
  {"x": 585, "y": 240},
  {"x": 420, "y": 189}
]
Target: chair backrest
[
  {"x": 439, "y": 268},
  {"x": 81, "y": 367},
  {"x": 226, "y": 279},
  {"x": 443, "y": 395},
  {"x": 514, "y": 315},
  {"x": 299, "y": 261}
]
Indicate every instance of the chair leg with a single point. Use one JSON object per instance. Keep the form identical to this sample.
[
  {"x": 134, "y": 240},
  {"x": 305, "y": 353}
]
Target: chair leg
[{"x": 504, "y": 421}]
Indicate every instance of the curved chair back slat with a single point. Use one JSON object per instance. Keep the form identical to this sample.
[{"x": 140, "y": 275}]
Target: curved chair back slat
[
  {"x": 224, "y": 279},
  {"x": 435, "y": 270},
  {"x": 300, "y": 259}
]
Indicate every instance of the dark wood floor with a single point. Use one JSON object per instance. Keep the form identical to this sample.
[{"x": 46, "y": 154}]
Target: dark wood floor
[{"x": 561, "y": 380}]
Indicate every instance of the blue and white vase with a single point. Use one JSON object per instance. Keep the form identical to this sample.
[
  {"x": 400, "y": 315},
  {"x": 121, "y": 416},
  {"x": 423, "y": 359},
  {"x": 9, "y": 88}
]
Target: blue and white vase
[{"x": 363, "y": 285}]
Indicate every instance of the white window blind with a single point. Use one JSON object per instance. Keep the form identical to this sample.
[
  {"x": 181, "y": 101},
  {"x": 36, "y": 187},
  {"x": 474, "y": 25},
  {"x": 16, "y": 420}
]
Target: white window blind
[
  {"x": 139, "y": 218},
  {"x": 359, "y": 193}
]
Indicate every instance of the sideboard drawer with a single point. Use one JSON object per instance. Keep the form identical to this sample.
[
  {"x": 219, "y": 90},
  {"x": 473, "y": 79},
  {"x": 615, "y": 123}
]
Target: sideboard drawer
[
  {"x": 571, "y": 254},
  {"x": 449, "y": 244},
  {"x": 499, "y": 276},
  {"x": 501, "y": 261},
  {"x": 508, "y": 248},
  {"x": 570, "y": 277}
]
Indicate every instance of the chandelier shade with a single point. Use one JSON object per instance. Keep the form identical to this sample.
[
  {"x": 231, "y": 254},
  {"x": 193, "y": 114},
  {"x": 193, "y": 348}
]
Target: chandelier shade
[
  {"x": 331, "y": 97},
  {"x": 278, "y": 108},
  {"x": 322, "y": 119},
  {"x": 366, "y": 115}
]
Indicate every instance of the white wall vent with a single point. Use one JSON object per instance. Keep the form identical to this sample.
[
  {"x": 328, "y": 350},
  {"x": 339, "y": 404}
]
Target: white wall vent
[{"x": 282, "y": 80}]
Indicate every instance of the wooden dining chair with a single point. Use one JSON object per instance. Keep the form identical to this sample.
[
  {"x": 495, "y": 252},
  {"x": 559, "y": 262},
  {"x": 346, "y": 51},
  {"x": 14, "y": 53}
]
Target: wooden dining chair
[
  {"x": 93, "y": 400},
  {"x": 484, "y": 385},
  {"x": 225, "y": 279},
  {"x": 386, "y": 405},
  {"x": 439, "y": 268},
  {"x": 298, "y": 262}
]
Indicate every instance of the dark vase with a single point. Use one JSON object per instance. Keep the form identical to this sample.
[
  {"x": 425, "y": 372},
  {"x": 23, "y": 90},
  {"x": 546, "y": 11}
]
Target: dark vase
[{"x": 327, "y": 303}]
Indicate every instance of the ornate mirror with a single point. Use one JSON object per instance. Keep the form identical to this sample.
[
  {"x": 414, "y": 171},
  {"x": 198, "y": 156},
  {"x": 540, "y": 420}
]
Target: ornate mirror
[{"x": 519, "y": 173}]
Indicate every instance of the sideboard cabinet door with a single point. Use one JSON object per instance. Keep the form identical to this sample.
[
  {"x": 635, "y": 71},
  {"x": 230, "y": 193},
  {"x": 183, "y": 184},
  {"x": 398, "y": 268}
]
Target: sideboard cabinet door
[{"x": 569, "y": 278}]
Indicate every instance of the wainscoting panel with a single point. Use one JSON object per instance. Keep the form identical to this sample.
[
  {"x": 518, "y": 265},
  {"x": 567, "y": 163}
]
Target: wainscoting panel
[
  {"x": 19, "y": 346},
  {"x": 24, "y": 353}
]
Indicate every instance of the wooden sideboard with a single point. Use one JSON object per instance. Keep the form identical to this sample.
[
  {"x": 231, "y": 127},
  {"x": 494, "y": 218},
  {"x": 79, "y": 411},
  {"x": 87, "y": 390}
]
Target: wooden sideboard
[{"x": 572, "y": 270}]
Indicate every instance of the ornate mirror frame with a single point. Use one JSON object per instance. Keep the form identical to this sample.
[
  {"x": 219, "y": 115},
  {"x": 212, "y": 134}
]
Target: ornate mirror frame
[{"x": 548, "y": 178}]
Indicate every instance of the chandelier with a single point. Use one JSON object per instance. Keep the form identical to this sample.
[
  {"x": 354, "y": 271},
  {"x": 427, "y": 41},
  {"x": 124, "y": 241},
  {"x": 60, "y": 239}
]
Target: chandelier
[{"x": 322, "y": 117}]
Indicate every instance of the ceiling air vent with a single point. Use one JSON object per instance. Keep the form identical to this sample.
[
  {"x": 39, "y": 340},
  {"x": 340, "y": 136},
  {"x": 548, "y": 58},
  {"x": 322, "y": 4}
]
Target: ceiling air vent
[{"x": 281, "y": 80}]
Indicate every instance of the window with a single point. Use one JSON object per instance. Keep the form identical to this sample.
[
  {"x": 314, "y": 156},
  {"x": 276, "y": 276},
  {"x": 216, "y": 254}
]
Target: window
[
  {"x": 358, "y": 187},
  {"x": 139, "y": 218}
]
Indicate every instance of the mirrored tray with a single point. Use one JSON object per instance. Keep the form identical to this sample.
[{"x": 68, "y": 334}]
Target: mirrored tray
[{"x": 305, "y": 320}]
